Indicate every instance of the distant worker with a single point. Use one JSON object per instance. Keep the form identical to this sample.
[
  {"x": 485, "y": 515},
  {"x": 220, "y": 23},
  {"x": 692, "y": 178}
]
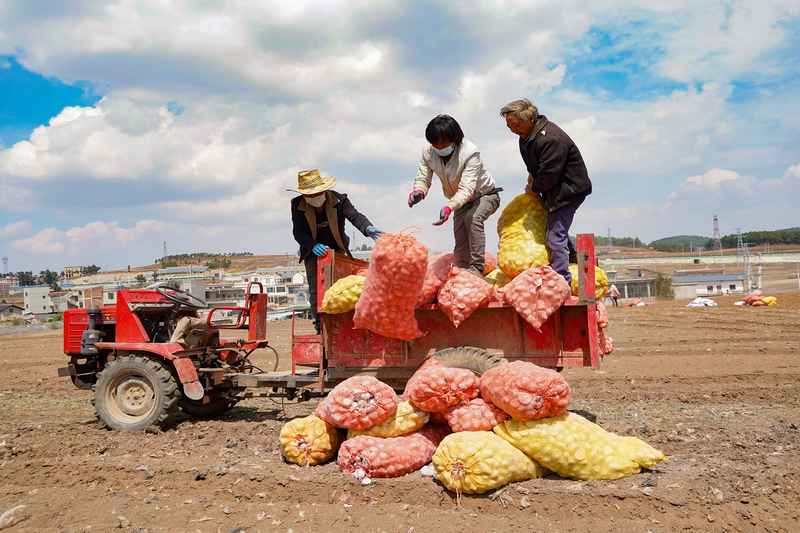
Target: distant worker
[
  {"x": 556, "y": 172},
  {"x": 318, "y": 216},
  {"x": 613, "y": 293},
  {"x": 472, "y": 196}
]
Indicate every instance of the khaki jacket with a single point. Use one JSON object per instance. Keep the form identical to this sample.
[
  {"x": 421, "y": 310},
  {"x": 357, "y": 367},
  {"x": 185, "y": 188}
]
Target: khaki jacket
[{"x": 463, "y": 177}]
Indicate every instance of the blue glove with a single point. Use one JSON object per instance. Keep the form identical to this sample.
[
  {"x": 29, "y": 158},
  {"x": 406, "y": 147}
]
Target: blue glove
[
  {"x": 319, "y": 249},
  {"x": 373, "y": 233}
]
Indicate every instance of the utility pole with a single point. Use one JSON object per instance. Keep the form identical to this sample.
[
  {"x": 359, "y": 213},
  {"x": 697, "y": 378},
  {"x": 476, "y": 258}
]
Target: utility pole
[{"x": 717, "y": 240}]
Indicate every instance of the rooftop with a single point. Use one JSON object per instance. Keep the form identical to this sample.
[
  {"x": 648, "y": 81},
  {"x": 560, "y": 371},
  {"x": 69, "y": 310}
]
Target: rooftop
[{"x": 705, "y": 278}]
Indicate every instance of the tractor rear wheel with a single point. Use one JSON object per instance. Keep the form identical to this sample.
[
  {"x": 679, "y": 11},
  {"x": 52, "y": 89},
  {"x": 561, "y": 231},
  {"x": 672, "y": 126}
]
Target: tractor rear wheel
[
  {"x": 476, "y": 359},
  {"x": 217, "y": 405},
  {"x": 134, "y": 392}
]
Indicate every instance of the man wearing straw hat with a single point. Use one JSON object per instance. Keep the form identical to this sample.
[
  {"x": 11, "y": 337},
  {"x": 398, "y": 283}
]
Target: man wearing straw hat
[{"x": 318, "y": 216}]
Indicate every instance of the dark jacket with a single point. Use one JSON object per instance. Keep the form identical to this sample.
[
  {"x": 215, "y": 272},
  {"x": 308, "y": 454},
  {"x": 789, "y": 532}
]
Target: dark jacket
[
  {"x": 337, "y": 208},
  {"x": 559, "y": 173}
]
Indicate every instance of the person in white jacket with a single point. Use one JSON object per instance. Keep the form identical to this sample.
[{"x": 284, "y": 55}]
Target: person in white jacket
[{"x": 472, "y": 196}]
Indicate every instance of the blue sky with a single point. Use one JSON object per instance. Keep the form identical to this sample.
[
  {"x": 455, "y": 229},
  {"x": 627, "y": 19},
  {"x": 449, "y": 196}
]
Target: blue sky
[{"x": 188, "y": 124}]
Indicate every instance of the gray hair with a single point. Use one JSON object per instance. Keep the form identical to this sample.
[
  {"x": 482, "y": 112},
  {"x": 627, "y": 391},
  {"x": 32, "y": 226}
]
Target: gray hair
[{"x": 522, "y": 109}]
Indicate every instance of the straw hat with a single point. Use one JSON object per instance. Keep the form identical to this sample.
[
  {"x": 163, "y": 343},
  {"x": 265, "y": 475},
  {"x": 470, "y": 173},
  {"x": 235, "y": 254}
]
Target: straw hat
[{"x": 312, "y": 182}]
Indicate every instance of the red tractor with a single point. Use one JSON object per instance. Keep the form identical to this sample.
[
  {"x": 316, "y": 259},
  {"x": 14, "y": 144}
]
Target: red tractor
[{"x": 155, "y": 352}]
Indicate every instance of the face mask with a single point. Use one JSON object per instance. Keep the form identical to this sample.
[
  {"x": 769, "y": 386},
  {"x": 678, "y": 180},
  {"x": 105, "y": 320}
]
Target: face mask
[
  {"x": 444, "y": 152},
  {"x": 316, "y": 201}
]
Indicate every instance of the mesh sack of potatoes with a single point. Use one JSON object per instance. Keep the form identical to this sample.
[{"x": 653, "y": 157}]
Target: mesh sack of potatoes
[
  {"x": 576, "y": 448},
  {"x": 489, "y": 263},
  {"x": 474, "y": 415},
  {"x": 606, "y": 343},
  {"x": 536, "y": 294},
  {"x": 462, "y": 294},
  {"x": 343, "y": 295},
  {"x": 602, "y": 315},
  {"x": 474, "y": 462},
  {"x": 308, "y": 441},
  {"x": 367, "y": 456},
  {"x": 497, "y": 278},
  {"x": 437, "y": 271},
  {"x": 436, "y": 389},
  {"x": 407, "y": 419},
  {"x": 600, "y": 281},
  {"x": 526, "y": 391},
  {"x": 391, "y": 291},
  {"x": 358, "y": 402},
  {"x": 521, "y": 228}
]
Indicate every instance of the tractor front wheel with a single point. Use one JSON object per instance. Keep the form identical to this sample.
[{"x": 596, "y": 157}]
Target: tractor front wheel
[{"x": 134, "y": 392}]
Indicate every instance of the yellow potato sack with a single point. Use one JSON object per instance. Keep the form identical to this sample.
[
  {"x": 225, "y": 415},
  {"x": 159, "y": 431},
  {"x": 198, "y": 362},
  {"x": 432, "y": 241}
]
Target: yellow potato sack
[
  {"x": 342, "y": 296},
  {"x": 576, "y": 448},
  {"x": 308, "y": 441},
  {"x": 521, "y": 229},
  {"x": 497, "y": 278},
  {"x": 600, "y": 281},
  {"x": 406, "y": 420},
  {"x": 474, "y": 462}
]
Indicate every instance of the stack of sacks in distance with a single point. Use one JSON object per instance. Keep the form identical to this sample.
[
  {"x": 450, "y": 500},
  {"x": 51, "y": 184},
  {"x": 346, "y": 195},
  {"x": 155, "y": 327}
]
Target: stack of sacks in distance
[
  {"x": 401, "y": 272},
  {"x": 510, "y": 424},
  {"x": 757, "y": 299}
]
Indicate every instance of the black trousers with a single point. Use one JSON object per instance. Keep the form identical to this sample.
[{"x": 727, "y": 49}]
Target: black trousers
[{"x": 311, "y": 277}]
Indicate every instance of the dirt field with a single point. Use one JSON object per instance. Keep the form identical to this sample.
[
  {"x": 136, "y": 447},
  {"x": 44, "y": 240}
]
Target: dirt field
[{"x": 716, "y": 389}]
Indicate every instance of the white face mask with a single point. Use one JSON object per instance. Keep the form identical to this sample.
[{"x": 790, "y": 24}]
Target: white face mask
[
  {"x": 316, "y": 201},
  {"x": 444, "y": 152}
]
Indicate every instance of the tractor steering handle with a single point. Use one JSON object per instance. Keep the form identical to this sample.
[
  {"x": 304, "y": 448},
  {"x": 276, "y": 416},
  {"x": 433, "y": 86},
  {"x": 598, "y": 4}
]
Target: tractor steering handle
[{"x": 180, "y": 297}]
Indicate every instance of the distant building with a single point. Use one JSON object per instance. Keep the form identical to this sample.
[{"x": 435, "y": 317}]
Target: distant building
[
  {"x": 688, "y": 284},
  {"x": 10, "y": 311},
  {"x": 8, "y": 283},
  {"x": 72, "y": 272},
  {"x": 37, "y": 300},
  {"x": 633, "y": 282}
]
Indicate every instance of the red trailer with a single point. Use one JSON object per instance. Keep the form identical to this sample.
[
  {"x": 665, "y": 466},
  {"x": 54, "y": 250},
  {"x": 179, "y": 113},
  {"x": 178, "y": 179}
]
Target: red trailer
[{"x": 140, "y": 374}]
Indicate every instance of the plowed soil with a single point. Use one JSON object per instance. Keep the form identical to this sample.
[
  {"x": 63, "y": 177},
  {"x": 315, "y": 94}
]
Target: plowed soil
[{"x": 717, "y": 389}]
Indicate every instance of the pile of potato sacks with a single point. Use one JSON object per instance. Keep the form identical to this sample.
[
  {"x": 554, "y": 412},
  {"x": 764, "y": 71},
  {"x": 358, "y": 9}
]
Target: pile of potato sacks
[{"x": 480, "y": 432}]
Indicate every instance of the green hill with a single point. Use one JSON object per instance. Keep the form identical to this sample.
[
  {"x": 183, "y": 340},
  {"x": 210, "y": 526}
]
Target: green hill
[
  {"x": 778, "y": 236},
  {"x": 680, "y": 243}
]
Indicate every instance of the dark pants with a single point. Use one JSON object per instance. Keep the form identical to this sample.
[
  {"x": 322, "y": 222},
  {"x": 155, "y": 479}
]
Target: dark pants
[
  {"x": 558, "y": 224},
  {"x": 311, "y": 277}
]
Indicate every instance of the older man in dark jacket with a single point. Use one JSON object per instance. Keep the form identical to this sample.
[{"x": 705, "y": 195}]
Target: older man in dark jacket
[
  {"x": 318, "y": 216},
  {"x": 556, "y": 172}
]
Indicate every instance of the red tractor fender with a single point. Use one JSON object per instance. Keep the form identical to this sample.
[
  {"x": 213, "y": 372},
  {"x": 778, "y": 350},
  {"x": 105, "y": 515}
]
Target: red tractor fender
[{"x": 187, "y": 373}]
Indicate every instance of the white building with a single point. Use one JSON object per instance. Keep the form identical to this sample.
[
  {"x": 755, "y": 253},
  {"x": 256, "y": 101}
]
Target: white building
[
  {"x": 690, "y": 286},
  {"x": 37, "y": 300}
]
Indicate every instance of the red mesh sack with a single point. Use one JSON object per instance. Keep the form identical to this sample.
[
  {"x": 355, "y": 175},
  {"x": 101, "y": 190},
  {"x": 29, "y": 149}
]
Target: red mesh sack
[
  {"x": 462, "y": 294},
  {"x": 602, "y": 315},
  {"x": 435, "y": 276},
  {"x": 490, "y": 263},
  {"x": 606, "y": 343},
  {"x": 391, "y": 457},
  {"x": 437, "y": 388},
  {"x": 430, "y": 361},
  {"x": 536, "y": 294},
  {"x": 358, "y": 403},
  {"x": 474, "y": 415},
  {"x": 438, "y": 418},
  {"x": 362, "y": 272},
  {"x": 393, "y": 285},
  {"x": 526, "y": 391}
]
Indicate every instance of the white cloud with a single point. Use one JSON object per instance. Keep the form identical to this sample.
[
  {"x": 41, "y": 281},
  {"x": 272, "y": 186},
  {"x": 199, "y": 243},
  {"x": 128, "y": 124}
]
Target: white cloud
[
  {"x": 726, "y": 39},
  {"x": 94, "y": 235},
  {"x": 15, "y": 228},
  {"x": 712, "y": 180},
  {"x": 47, "y": 241},
  {"x": 793, "y": 171}
]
